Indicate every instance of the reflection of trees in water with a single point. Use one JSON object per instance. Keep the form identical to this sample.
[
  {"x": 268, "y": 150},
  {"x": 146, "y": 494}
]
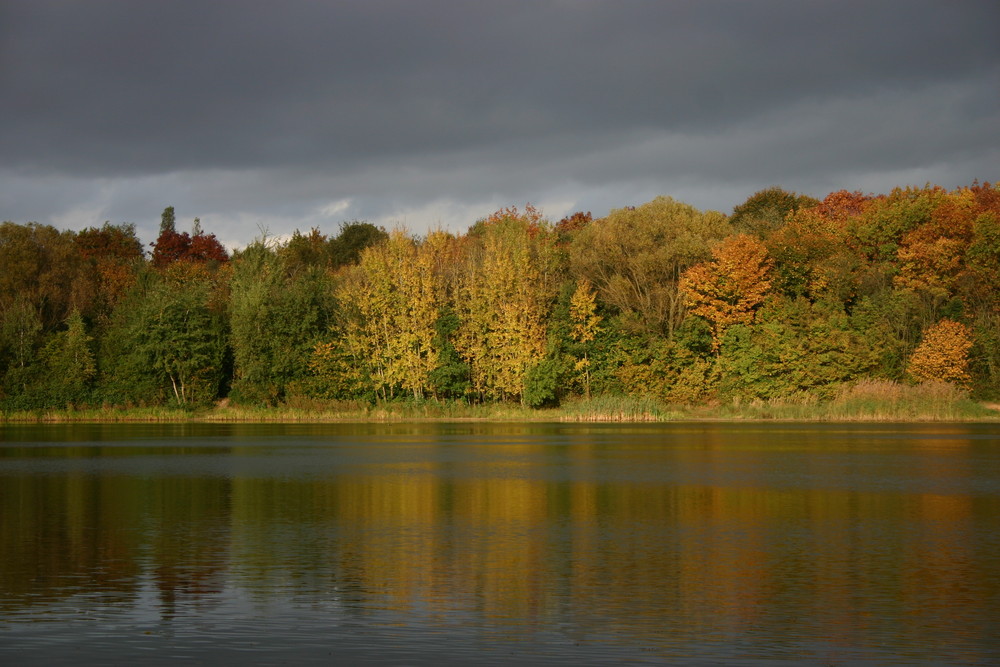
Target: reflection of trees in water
[{"x": 647, "y": 541}]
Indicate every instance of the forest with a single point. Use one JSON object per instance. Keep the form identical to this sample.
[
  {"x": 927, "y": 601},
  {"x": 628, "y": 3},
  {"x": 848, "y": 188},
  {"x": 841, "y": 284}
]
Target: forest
[{"x": 787, "y": 297}]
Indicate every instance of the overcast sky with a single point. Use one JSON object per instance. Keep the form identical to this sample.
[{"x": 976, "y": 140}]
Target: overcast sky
[{"x": 274, "y": 116}]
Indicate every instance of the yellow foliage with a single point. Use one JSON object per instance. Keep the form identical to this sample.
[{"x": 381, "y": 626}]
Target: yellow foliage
[
  {"x": 943, "y": 354},
  {"x": 582, "y": 312}
]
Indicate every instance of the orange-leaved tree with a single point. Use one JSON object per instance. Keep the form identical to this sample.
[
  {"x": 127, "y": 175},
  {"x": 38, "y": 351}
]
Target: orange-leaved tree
[
  {"x": 729, "y": 288},
  {"x": 943, "y": 354}
]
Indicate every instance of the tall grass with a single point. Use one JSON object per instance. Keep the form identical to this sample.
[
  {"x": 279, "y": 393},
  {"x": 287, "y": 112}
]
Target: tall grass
[
  {"x": 609, "y": 408},
  {"x": 865, "y": 400},
  {"x": 869, "y": 400},
  {"x": 105, "y": 414}
]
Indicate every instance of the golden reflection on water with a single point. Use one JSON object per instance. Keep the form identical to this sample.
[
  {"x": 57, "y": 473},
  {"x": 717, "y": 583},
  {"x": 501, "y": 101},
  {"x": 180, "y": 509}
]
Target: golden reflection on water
[{"x": 585, "y": 534}]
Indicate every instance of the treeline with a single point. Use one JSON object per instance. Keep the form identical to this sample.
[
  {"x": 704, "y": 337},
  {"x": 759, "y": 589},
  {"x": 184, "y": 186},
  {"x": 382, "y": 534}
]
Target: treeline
[{"x": 786, "y": 297}]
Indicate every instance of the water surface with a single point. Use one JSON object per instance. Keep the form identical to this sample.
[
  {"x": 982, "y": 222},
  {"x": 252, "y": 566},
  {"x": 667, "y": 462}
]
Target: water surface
[{"x": 500, "y": 543}]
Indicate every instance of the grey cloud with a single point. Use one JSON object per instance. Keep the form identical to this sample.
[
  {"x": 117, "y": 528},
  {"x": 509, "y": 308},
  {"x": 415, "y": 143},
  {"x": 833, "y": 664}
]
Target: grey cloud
[{"x": 237, "y": 109}]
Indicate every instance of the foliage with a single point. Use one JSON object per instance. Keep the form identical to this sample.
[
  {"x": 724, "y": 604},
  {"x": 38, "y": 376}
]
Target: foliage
[
  {"x": 635, "y": 257},
  {"x": 170, "y": 343},
  {"x": 585, "y": 321},
  {"x": 354, "y": 237},
  {"x": 503, "y": 296},
  {"x": 279, "y": 309},
  {"x": 943, "y": 354},
  {"x": 69, "y": 363},
  {"x": 659, "y": 303},
  {"x": 766, "y": 210},
  {"x": 728, "y": 289},
  {"x": 795, "y": 347}
]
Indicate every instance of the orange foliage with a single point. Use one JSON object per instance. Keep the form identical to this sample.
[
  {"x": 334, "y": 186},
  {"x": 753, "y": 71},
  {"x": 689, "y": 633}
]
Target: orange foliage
[
  {"x": 728, "y": 289},
  {"x": 943, "y": 354},
  {"x": 839, "y": 206},
  {"x": 932, "y": 255}
]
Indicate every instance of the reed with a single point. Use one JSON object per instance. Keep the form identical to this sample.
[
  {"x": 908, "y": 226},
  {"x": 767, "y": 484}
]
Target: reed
[
  {"x": 866, "y": 400},
  {"x": 869, "y": 400},
  {"x": 612, "y": 408}
]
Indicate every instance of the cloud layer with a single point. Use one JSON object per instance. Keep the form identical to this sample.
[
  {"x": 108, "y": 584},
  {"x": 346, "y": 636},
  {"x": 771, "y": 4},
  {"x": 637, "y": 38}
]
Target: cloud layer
[{"x": 258, "y": 115}]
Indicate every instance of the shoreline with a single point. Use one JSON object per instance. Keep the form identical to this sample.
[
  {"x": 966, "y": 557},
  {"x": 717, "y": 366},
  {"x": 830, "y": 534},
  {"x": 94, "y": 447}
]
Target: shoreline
[{"x": 969, "y": 412}]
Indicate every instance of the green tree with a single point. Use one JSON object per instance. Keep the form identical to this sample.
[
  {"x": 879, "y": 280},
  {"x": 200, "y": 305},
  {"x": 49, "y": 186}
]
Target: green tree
[
  {"x": 70, "y": 363},
  {"x": 353, "y": 238},
  {"x": 765, "y": 211},
  {"x": 167, "y": 342},
  {"x": 635, "y": 257},
  {"x": 280, "y": 307},
  {"x": 794, "y": 347}
]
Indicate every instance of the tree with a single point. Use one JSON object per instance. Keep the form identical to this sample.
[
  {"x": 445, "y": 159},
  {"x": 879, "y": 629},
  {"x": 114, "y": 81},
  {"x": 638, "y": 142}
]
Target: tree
[
  {"x": 766, "y": 210},
  {"x": 504, "y": 293},
  {"x": 730, "y": 287},
  {"x": 353, "y": 238},
  {"x": 279, "y": 309},
  {"x": 635, "y": 257},
  {"x": 173, "y": 246},
  {"x": 585, "y": 322},
  {"x": 167, "y": 341},
  {"x": 167, "y": 220},
  {"x": 943, "y": 354},
  {"x": 43, "y": 266},
  {"x": 70, "y": 363},
  {"x": 391, "y": 305},
  {"x": 115, "y": 255},
  {"x": 795, "y": 346}
]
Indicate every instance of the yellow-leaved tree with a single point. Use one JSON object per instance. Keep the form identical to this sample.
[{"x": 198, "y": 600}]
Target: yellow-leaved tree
[
  {"x": 585, "y": 320},
  {"x": 729, "y": 288},
  {"x": 943, "y": 354},
  {"x": 391, "y": 302},
  {"x": 503, "y": 296}
]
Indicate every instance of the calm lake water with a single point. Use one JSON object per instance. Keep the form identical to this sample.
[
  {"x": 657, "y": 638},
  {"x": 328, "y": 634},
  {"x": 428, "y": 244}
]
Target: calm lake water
[{"x": 500, "y": 544}]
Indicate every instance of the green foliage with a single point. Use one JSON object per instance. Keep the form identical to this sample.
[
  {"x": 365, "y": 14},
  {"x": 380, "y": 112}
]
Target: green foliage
[
  {"x": 766, "y": 210},
  {"x": 451, "y": 378},
  {"x": 167, "y": 221},
  {"x": 795, "y": 347},
  {"x": 280, "y": 306},
  {"x": 166, "y": 342},
  {"x": 69, "y": 364},
  {"x": 353, "y": 238},
  {"x": 542, "y": 382},
  {"x": 635, "y": 257}
]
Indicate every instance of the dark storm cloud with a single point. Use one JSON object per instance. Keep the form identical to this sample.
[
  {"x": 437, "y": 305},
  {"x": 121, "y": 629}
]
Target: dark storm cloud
[{"x": 284, "y": 107}]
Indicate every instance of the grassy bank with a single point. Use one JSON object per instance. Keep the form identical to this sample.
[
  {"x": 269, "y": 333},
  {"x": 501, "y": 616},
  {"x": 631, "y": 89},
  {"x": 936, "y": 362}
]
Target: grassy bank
[{"x": 865, "y": 401}]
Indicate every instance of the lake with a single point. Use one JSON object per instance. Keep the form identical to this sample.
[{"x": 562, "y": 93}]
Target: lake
[{"x": 451, "y": 543}]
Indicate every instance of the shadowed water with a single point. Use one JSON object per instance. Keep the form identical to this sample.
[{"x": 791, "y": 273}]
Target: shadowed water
[{"x": 500, "y": 543}]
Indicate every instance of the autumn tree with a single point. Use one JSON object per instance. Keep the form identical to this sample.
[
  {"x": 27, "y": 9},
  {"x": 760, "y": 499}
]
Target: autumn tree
[
  {"x": 391, "y": 302},
  {"x": 173, "y": 246},
  {"x": 635, "y": 257},
  {"x": 508, "y": 280},
  {"x": 730, "y": 287},
  {"x": 584, "y": 325},
  {"x": 115, "y": 255},
  {"x": 943, "y": 354}
]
